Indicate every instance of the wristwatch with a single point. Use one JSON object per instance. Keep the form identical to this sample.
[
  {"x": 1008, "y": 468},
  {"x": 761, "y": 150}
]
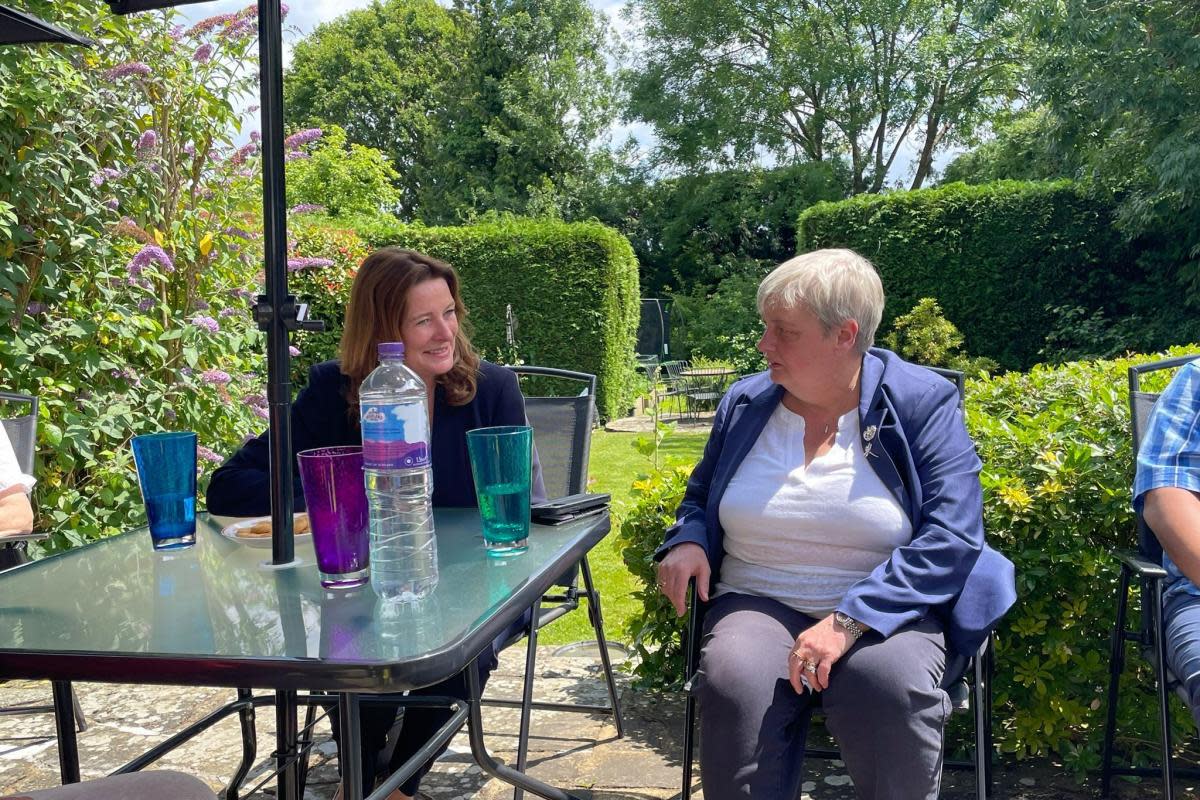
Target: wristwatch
[{"x": 850, "y": 624}]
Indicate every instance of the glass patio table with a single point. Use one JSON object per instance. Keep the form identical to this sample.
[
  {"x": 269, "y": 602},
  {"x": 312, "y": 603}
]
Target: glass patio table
[{"x": 217, "y": 614}]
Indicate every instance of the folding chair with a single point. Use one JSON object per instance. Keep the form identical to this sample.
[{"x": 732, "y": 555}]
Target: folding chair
[
  {"x": 22, "y": 434},
  {"x": 1146, "y": 566},
  {"x": 562, "y": 434},
  {"x": 965, "y": 695}
]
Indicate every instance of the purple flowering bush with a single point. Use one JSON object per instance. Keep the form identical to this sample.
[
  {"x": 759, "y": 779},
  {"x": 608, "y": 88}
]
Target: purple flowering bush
[{"x": 129, "y": 247}]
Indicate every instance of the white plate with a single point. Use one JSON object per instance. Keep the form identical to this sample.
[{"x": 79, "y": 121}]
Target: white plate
[{"x": 231, "y": 532}]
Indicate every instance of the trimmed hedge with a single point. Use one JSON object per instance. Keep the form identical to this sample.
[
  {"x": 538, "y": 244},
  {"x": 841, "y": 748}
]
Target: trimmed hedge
[
  {"x": 573, "y": 288},
  {"x": 1057, "y": 473},
  {"x": 997, "y": 257}
]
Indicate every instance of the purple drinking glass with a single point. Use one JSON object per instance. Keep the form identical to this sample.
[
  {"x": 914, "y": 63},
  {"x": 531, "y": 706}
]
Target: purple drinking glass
[{"x": 337, "y": 512}]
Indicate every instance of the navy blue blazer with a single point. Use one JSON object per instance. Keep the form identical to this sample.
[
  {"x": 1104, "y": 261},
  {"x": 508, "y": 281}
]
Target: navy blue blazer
[
  {"x": 914, "y": 437},
  {"x": 240, "y": 487}
]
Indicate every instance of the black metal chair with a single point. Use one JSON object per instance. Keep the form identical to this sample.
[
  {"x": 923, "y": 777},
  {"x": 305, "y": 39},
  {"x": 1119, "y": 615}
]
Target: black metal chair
[
  {"x": 22, "y": 434},
  {"x": 562, "y": 435},
  {"x": 968, "y": 681},
  {"x": 674, "y": 384},
  {"x": 1145, "y": 566}
]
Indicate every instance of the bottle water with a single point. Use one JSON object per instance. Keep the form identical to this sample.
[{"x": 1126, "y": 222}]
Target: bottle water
[{"x": 396, "y": 469}]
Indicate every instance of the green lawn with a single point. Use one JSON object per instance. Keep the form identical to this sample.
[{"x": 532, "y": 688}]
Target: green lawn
[{"x": 615, "y": 464}]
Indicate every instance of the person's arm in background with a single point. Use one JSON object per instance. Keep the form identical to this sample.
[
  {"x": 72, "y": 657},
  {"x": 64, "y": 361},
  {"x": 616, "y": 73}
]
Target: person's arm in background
[
  {"x": 1167, "y": 486},
  {"x": 16, "y": 513}
]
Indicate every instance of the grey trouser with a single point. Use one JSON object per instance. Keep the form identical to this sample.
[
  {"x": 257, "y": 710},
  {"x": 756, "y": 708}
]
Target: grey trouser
[{"x": 883, "y": 705}]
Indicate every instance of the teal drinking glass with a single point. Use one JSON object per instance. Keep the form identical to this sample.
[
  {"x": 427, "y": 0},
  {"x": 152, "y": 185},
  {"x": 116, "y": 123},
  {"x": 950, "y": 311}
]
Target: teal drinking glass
[{"x": 501, "y": 461}]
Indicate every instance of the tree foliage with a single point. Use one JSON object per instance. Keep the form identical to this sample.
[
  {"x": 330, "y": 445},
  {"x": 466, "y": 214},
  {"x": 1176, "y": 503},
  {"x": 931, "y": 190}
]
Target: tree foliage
[
  {"x": 382, "y": 73},
  {"x": 491, "y": 106},
  {"x": 343, "y": 178},
  {"x": 1122, "y": 78},
  {"x": 516, "y": 133},
  {"x": 722, "y": 81}
]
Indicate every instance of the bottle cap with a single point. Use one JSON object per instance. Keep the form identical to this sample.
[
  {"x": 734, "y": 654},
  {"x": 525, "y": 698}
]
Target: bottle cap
[{"x": 391, "y": 349}]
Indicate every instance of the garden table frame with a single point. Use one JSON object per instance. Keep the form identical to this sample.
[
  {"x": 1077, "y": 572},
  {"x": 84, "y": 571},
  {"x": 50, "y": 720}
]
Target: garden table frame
[{"x": 122, "y": 621}]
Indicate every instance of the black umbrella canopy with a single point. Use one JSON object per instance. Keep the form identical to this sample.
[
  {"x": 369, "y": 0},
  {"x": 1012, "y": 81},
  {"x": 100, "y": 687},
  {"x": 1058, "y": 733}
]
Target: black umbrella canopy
[
  {"x": 17, "y": 27},
  {"x": 276, "y": 312}
]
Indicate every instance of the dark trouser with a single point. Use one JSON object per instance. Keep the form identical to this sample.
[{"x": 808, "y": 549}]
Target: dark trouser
[
  {"x": 418, "y": 727},
  {"x": 883, "y": 705},
  {"x": 1181, "y": 618}
]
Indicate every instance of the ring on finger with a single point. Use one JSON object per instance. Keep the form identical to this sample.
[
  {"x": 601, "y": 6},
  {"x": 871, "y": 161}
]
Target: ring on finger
[
  {"x": 796, "y": 654},
  {"x": 809, "y": 666}
]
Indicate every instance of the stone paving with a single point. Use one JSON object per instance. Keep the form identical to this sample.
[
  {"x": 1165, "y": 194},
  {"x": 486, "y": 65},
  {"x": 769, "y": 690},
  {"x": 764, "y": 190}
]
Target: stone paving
[{"x": 579, "y": 752}]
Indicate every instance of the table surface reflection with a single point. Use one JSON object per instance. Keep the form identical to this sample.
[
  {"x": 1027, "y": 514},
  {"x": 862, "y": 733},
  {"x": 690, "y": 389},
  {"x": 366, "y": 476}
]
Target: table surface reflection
[{"x": 117, "y": 610}]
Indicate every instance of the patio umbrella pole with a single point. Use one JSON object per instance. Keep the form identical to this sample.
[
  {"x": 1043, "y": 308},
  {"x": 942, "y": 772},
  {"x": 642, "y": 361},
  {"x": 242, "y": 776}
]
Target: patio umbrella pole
[{"x": 276, "y": 305}]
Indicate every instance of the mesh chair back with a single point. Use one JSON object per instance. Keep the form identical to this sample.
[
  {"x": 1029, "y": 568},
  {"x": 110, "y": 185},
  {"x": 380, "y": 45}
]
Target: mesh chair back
[
  {"x": 1141, "y": 404},
  {"x": 562, "y": 430},
  {"x": 21, "y": 427}
]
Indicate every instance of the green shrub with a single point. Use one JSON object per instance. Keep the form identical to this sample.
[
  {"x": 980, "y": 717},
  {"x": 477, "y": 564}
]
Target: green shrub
[
  {"x": 996, "y": 257},
  {"x": 925, "y": 336},
  {"x": 573, "y": 288},
  {"x": 1057, "y": 458},
  {"x": 723, "y": 325},
  {"x": 655, "y": 633}
]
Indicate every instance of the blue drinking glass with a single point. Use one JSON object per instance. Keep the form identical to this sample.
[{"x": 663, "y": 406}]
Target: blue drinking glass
[{"x": 166, "y": 465}]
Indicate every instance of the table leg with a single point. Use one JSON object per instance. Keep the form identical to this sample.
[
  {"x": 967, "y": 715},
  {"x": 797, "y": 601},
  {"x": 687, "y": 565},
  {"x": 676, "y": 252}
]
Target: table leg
[
  {"x": 484, "y": 759},
  {"x": 286, "y": 759},
  {"x": 64, "y": 721},
  {"x": 349, "y": 746}
]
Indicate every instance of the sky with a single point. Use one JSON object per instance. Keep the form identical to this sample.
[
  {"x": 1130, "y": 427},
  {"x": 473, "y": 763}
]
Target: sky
[{"x": 305, "y": 15}]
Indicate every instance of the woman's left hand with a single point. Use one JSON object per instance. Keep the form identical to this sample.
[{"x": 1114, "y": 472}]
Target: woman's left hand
[{"x": 815, "y": 652}]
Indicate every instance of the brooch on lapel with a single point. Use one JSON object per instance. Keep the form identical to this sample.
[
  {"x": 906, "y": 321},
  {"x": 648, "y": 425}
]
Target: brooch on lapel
[{"x": 868, "y": 436}]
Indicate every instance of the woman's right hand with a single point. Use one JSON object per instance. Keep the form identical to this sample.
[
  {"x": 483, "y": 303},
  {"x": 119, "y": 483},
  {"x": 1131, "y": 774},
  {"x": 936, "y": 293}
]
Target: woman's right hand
[{"x": 682, "y": 563}]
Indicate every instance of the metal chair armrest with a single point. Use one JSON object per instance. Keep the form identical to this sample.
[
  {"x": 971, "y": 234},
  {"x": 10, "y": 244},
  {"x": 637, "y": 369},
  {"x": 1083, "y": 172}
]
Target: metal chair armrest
[{"x": 1144, "y": 569}]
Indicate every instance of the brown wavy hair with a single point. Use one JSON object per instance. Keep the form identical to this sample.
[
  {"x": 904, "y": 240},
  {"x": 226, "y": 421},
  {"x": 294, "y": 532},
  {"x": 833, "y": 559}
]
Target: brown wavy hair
[{"x": 376, "y": 310}]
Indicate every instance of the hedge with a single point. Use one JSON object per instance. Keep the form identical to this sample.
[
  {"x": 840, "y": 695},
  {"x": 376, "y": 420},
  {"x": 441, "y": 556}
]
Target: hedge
[
  {"x": 998, "y": 257},
  {"x": 573, "y": 289},
  {"x": 1056, "y": 479}
]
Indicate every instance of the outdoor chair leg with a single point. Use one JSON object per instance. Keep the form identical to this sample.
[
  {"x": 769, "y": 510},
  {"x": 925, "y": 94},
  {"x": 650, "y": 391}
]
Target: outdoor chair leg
[
  {"x": 597, "y": 618},
  {"x": 983, "y": 720},
  {"x": 1164, "y": 711},
  {"x": 249, "y": 743},
  {"x": 1116, "y": 665},
  {"x": 689, "y": 702},
  {"x": 527, "y": 694},
  {"x": 80, "y": 719}
]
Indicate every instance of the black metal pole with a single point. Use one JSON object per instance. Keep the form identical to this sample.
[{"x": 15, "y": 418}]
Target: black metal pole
[{"x": 279, "y": 387}]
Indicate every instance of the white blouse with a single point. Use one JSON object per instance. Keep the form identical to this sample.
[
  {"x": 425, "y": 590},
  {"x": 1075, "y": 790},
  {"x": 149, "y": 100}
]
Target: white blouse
[{"x": 803, "y": 534}]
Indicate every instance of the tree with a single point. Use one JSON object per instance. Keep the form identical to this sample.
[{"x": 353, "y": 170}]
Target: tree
[
  {"x": 381, "y": 73},
  {"x": 343, "y": 179},
  {"x": 1122, "y": 79},
  {"x": 516, "y": 129},
  {"x": 1023, "y": 147},
  {"x": 796, "y": 80}
]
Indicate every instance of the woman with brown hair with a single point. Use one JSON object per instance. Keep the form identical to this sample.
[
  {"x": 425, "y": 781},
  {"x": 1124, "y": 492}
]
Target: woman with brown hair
[{"x": 398, "y": 296}]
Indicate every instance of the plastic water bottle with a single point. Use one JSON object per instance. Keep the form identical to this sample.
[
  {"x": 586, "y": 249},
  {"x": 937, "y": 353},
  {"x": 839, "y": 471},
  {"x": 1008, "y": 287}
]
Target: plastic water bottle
[{"x": 396, "y": 468}]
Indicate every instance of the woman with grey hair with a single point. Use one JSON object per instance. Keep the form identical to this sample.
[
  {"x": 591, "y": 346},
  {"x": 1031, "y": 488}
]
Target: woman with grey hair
[{"x": 834, "y": 526}]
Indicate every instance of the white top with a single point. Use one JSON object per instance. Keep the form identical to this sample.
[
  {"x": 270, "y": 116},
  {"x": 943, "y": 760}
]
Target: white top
[
  {"x": 10, "y": 473},
  {"x": 804, "y": 534}
]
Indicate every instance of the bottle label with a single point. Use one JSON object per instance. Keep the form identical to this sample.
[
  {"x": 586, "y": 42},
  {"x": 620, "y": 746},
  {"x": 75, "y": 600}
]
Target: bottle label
[{"x": 395, "y": 435}]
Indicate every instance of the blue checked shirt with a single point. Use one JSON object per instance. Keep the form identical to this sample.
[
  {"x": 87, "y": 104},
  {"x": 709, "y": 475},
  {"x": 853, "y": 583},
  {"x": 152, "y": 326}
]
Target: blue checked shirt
[{"x": 1170, "y": 454}]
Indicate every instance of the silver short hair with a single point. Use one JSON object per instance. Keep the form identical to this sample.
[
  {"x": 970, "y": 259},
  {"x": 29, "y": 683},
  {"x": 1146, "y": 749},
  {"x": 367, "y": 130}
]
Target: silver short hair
[{"x": 835, "y": 285}]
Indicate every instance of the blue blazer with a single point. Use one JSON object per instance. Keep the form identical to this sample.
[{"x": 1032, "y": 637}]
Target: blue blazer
[{"x": 914, "y": 437}]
